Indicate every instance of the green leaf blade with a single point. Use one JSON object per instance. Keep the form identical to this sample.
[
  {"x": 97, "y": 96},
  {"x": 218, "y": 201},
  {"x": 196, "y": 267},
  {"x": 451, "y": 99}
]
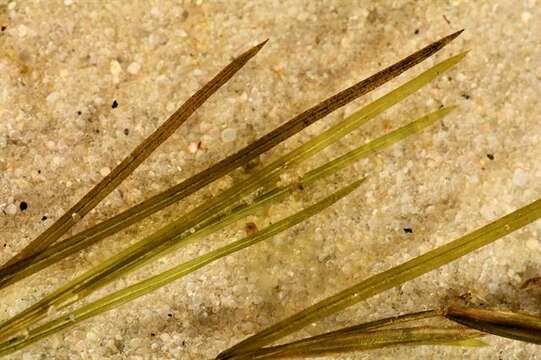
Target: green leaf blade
[{"x": 392, "y": 277}]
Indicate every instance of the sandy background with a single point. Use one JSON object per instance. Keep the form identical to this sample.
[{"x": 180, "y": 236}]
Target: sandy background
[{"x": 64, "y": 63}]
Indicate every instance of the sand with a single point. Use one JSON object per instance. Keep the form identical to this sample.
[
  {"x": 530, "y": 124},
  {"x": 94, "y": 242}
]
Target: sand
[{"x": 83, "y": 82}]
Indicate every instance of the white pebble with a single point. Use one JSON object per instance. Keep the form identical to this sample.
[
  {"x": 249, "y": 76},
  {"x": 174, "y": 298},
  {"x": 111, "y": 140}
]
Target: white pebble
[
  {"x": 193, "y": 147},
  {"x": 53, "y": 97},
  {"x": 134, "y": 68},
  {"x": 116, "y": 69},
  {"x": 526, "y": 16},
  {"x": 11, "y": 209},
  {"x": 229, "y": 135},
  {"x": 155, "y": 12},
  {"x": 519, "y": 178},
  {"x": 3, "y": 141},
  {"x": 68, "y": 2},
  {"x": 23, "y": 30},
  {"x": 105, "y": 171}
]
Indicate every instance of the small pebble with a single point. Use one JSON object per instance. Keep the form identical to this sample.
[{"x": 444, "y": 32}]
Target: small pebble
[
  {"x": 116, "y": 69},
  {"x": 155, "y": 12},
  {"x": 11, "y": 209},
  {"x": 526, "y": 16},
  {"x": 134, "y": 68},
  {"x": 68, "y": 2},
  {"x": 193, "y": 147},
  {"x": 519, "y": 178},
  {"x": 105, "y": 171},
  {"x": 52, "y": 97},
  {"x": 22, "y": 30},
  {"x": 229, "y": 135}
]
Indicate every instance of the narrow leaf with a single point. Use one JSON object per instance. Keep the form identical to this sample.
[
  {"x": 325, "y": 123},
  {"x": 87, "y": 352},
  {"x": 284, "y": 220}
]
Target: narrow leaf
[
  {"x": 392, "y": 277},
  {"x": 511, "y": 325},
  {"x": 160, "y": 243},
  {"x": 147, "y": 249},
  {"x": 366, "y": 340},
  {"x": 174, "y": 194},
  {"x": 144, "y": 287},
  {"x": 134, "y": 159}
]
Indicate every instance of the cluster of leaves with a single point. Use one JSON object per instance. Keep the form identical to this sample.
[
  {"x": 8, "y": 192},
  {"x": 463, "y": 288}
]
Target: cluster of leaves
[{"x": 244, "y": 198}]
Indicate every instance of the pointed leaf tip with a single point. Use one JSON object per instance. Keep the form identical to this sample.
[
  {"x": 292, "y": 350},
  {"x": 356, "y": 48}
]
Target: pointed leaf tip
[
  {"x": 447, "y": 39},
  {"x": 260, "y": 45}
]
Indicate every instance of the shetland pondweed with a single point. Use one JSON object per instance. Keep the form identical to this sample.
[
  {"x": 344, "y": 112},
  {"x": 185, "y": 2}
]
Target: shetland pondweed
[
  {"x": 25, "y": 265},
  {"x": 391, "y": 278},
  {"x": 133, "y": 160},
  {"x": 244, "y": 198},
  {"x": 162, "y": 241},
  {"x": 508, "y": 324},
  {"x": 276, "y": 194}
]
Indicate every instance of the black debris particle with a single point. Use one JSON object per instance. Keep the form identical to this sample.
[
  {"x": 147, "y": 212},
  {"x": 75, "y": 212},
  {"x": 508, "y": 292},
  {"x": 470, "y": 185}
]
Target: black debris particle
[
  {"x": 39, "y": 171},
  {"x": 23, "y": 205},
  {"x": 446, "y": 19},
  {"x": 44, "y": 217},
  {"x": 152, "y": 334},
  {"x": 490, "y": 156},
  {"x": 126, "y": 131},
  {"x": 5, "y": 245},
  {"x": 408, "y": 230},
  {"x": 466, "y": 96},
  {"x": 79, "y": 113},
  {"x": 170, "y": 315},
  {"x": 3, "y": 28},
  {"x": 416, "y": 31},
  {"x": 115, "y": 104}
]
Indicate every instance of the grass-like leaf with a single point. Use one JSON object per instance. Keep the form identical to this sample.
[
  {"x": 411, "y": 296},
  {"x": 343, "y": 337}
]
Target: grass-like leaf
[
  {"x": 511, "y": 325},
  {"x": 276, "y": 194},
  {"x": 57, "y": 252},
  {"x": 120, "y": 297},
  {"x": 368, "y": 340},
  {"x": 371, "y": 335},
  {"x": 164, "y": 240},
  {"x": 29, "y": 265},
  {"x": 134, "y": 159},
  {"x": 391, "y": 278}
]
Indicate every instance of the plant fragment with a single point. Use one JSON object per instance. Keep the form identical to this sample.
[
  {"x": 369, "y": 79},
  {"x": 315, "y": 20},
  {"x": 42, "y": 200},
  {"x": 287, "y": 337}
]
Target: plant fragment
[
  {"x": 508, "y": 324},
  {"x": 164, "y": 240},
  {"x": 129, "y": 293},
  {"x": 22, "y": 267},
  {"x": 134, "y": 159},
  {"x": 391, "y": 278},
  {"x": 367, "y": 340}
]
